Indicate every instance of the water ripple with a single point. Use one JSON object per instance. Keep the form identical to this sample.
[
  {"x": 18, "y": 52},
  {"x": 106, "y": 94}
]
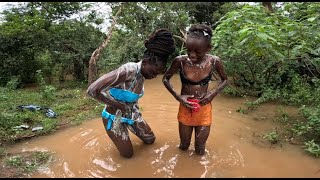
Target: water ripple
[{"x": 110, "y": 165}]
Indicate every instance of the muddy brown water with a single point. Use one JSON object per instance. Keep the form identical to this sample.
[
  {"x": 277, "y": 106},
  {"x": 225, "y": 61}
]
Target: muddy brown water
[{"x": 234, "y": 147}]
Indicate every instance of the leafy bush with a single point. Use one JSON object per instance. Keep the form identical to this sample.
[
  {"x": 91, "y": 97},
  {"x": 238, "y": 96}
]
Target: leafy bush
[
  {"x": 14, "y": 82},
  {"x": 275, "y": 56},
  {"x": 312, "y": 148},
  {"x": 265, "y": 52}
]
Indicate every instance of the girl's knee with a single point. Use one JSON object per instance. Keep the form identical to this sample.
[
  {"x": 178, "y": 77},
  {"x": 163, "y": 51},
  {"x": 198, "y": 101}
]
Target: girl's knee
[{"x": 149, "y": 140}]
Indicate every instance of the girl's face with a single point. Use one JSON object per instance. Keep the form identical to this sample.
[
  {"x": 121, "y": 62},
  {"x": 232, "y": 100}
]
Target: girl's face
[
  {"x": 151, "y": 69},
  {"x": 197, "y": 48}
]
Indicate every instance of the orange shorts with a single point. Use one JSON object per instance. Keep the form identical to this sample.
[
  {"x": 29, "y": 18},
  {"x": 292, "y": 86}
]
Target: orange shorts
[{"x": 201, "y": 118}]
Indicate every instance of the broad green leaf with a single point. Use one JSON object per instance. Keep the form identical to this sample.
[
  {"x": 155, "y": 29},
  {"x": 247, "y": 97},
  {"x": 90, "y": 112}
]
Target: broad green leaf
[{"x": 311, "y": 19}]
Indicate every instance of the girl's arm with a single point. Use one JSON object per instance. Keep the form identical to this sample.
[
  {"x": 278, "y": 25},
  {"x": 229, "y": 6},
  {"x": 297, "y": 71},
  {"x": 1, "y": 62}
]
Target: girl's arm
[
  {"x": 224, "y": 82},
  {"x": 175, "y": 66},
  {"x": 98, "y": 89}
]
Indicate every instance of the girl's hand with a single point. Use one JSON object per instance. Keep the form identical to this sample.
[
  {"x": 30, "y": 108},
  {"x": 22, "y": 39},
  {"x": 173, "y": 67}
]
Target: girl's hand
[
  {"x": 207, "y": 98},
  {"x": 121, "y": 106},
  {"x": 184, "y": 100}
]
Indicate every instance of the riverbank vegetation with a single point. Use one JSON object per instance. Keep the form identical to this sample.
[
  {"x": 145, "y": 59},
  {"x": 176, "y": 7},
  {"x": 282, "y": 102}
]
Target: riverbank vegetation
[{"x": 270, "y": 54}]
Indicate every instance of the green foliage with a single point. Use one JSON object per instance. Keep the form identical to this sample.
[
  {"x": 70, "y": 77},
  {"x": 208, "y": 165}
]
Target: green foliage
[
  {"x": 70, "y": 103},
  {"x": 233, "y": 91},
  {"x": 37, "y": 36},
  {"x": 43, "y": 36},
  {"x": 3, "y": 152},
  {"x": 56, "y": 10},
  {"x": 311, "y": 127},
  {"x": 242, "y": 111},
  {"x": 45, "y": 60},
  {"x": 16, "y": 64},
  {"x": 72, "y": 45},
  {"x": 137, "y": 22},
  {"x": 284, "y": 117},
  {"x": 267, "y": 49},
  {"x": 47, "y": 91},
  {"x": 40, "y": 79},
  {"x": 49, "y": 125},
  {"x": 6, "y": 121},
  {"x": 28, "y": 163},
  {"x": 120, "y": 51},
  {"x": 272, "y": 137},
  {"x": 209, "y": 12},
  {"x": 144, "y": 17},
  {"x": 14, "y": 161},
  {"x": 275, "y": 56},
  {"x": 312, "y": 148},
  {"x": 14, "y": 82}
]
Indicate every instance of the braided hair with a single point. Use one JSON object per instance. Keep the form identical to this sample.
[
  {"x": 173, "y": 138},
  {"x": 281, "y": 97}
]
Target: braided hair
[
  {"x": 160, "y": 45},
  {"x": 200, "y": 31}
]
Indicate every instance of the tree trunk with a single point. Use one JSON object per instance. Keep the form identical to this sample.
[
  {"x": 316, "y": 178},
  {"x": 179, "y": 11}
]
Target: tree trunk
[
  {"x": 78, "y": 70},
  {"x": 92, "y": 71},
  {"x": 268, "y": 6}
]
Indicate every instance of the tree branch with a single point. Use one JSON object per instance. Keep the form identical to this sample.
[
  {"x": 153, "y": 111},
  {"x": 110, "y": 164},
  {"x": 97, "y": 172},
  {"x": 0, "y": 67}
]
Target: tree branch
[{"x": 92, "y": 74}]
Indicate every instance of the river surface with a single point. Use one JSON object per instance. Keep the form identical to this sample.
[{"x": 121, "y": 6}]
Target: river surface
[{"x": 235, "y": 147}]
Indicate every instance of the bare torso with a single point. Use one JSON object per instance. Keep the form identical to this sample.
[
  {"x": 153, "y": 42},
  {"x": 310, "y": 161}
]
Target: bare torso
[{"x": 196, "y": 73}]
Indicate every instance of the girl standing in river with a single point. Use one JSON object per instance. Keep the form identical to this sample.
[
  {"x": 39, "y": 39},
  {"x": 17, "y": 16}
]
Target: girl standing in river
[{"x": 196, "y": 70}]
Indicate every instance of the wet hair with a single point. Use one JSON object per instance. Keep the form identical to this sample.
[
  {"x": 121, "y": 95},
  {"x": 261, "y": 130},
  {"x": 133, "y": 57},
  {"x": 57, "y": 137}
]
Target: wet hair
[
  {"x": 160, "y": 45},
  {"x": 200, "y": 31}
]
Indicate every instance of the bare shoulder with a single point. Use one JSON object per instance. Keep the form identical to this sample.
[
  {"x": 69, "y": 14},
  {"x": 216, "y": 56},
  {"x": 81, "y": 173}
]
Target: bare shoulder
[
  {"x": 129, "y": 69},
  {"x": 181, "y": 58},
  {"x": 214, "y": 58},
  {"x": 178, "y": 60}
]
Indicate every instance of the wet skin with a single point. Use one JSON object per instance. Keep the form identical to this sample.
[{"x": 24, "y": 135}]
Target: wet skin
[
  {"x": 196, "y": 65},
  {"x": 149, "y": 70},
  {"x": 142, "y": 130}
]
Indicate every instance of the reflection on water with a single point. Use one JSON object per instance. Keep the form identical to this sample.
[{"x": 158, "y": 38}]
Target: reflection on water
[
  {"x": 232, "y": 150},
  {"x": 109, "y": 165},
  {"x": 162, "y": 165}
]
